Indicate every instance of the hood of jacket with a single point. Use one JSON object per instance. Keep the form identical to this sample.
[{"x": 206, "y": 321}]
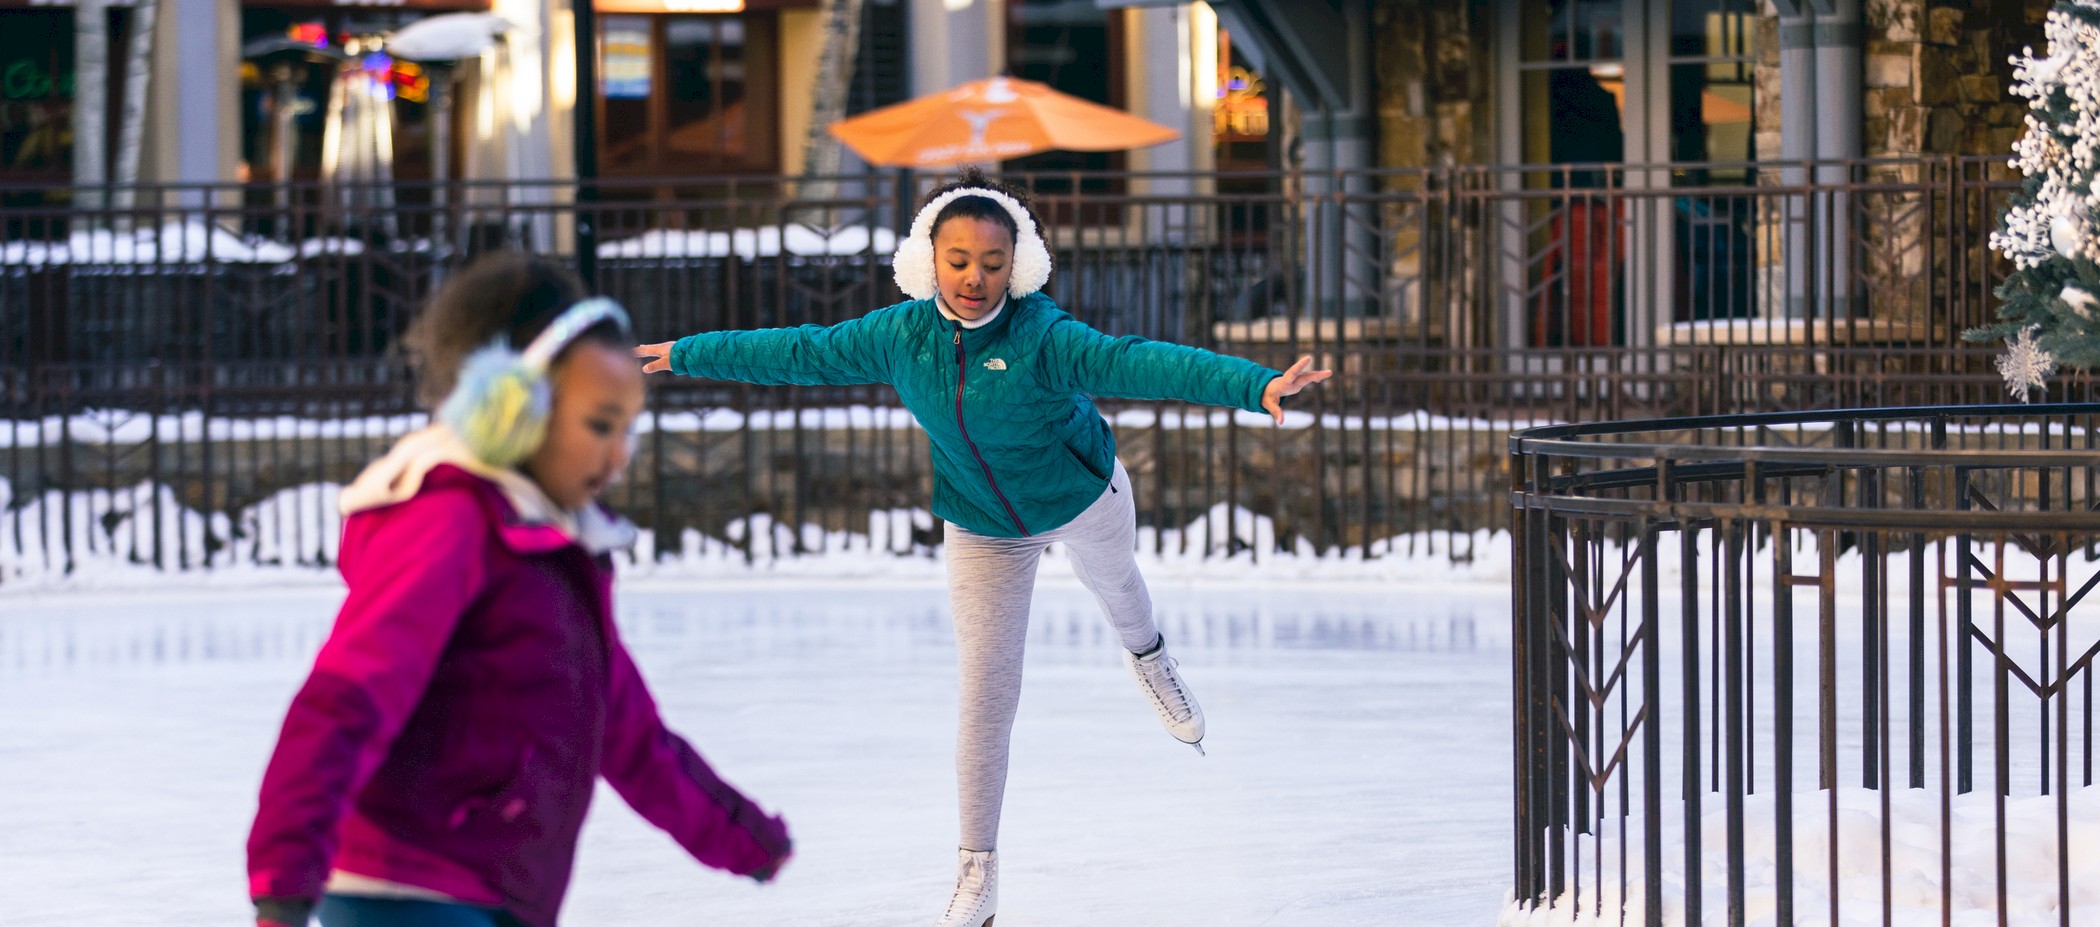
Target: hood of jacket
[{"x": 397, "y": 476}]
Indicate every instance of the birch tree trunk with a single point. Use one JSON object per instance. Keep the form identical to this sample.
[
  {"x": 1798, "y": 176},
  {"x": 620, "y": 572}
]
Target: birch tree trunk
[
  {"x": 138, "y": 74},
  {"x": 90, "y": 103},
  {"x": 820, "y": 155}
]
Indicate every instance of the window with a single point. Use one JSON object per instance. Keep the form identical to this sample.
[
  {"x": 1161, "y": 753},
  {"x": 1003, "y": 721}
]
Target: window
[
  {"x": 1244, "y": 147},
  {"x": 36, "y": 95},
  {"x": 1240, "y": 115},
  {"x": 1574, "y": 64},
  {"x": 1598, "y": 83},
  {"x": 1710, "y": 62},
  {"x": 688, "y": 94},
  {"x": 1711, "y": 57},
  {"x": 883, "y": 76},
  {"x": 1074, "y": 47},
  {"x": 1574, "y": 78}
]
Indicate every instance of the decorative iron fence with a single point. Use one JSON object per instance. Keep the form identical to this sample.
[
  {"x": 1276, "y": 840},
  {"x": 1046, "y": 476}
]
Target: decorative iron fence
[
  {"x": 1739, "y": 635},
  {"x": 231, "y": 330}
]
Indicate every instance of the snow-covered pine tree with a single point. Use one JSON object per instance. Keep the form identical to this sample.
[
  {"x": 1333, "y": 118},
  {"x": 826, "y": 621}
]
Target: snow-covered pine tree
[{"x": 2050, "y": 314}]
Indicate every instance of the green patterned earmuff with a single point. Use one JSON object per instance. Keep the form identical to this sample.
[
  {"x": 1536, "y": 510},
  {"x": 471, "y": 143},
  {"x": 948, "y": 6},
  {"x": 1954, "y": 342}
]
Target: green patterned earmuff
[{"x": 499, "y": 407}]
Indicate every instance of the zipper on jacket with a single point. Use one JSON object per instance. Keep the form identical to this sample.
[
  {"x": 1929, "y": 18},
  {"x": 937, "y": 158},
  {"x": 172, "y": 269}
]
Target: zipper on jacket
[{"x": 962, "y": 373}]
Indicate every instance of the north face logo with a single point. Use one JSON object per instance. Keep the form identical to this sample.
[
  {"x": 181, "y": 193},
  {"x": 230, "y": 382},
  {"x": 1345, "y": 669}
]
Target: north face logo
[{"x": 996, "y": 363}]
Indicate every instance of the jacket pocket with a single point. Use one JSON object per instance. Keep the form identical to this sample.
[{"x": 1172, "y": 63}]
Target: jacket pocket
[{"x": 1080, "y": 461}]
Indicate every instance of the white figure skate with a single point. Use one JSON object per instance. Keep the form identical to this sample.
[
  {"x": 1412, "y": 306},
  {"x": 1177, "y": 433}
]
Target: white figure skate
[
  {"x": 976, "y": 897},
  {"x": 1168, "y": 694}
]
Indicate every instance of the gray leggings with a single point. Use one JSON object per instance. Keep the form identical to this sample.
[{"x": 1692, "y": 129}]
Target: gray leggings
[{"x": 990, "y": 583}]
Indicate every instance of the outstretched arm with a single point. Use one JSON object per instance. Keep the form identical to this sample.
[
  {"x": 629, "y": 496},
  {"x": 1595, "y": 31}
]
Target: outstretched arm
[
  {"x": 1079, "y": 358},
  {"x": 852, "y": 352},
  {"x": 665, "y": 781}
]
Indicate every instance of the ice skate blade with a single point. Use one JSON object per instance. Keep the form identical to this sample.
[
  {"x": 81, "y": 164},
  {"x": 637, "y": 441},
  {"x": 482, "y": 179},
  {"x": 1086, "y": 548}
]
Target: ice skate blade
[{"x": 1199, "y": 752}]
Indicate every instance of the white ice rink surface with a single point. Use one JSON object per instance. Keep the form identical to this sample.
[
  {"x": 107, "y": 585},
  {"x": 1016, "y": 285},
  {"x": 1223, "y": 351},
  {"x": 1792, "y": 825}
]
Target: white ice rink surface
[{"x": 1358, "y": 772}]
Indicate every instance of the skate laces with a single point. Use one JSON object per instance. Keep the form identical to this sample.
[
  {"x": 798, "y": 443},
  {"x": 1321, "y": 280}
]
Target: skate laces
[
  {"x": 1163, "y": 686},
  {"x": 969, "y": 889}
]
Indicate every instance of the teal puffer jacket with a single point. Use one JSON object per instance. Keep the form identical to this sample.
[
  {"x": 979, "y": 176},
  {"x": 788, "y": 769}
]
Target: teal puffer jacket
[{"x": 1018, "y": 447}]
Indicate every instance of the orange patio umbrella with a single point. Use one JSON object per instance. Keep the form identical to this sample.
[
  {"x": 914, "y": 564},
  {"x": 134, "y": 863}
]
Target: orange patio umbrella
[{"x": 992, "y": 120}]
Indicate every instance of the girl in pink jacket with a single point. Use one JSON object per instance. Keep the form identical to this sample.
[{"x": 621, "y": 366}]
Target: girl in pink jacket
[{"x": 437, "y": 764}]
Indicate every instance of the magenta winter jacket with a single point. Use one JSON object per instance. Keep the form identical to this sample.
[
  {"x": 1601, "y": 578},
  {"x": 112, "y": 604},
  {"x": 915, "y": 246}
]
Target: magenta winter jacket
[{"x": 470, "y": 695}]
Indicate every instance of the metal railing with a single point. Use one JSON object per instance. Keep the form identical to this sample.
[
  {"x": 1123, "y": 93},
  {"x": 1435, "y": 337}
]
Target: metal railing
[
  {"x": 227, "y": 326},
  {"x": 1738, "y": 635}
]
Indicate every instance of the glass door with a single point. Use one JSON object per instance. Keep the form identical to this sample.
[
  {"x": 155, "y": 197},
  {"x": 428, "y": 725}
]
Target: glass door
[
  {"x": 1616, "y": 104},
  {"x": 1711, "y": 56},
  {"x": 685, "y": 95},
  {"x": 1573, "y": 66}
]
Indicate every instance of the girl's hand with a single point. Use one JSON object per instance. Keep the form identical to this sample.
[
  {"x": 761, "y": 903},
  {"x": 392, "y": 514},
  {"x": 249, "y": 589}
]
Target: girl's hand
[
  {"x": 1300, "y": 376},
  {"x": 659, "y": 354},
  {"x": 766, "y": 873}
]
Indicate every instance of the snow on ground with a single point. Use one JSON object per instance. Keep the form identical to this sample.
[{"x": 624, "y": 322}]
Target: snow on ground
[
  {"x": 126, "y": 426},
  {"x": 1357, "y": 773},
  {"x": 173, "y": 242},
  {"x": 753, "y": 243},
  {"x": 1915, "y": 872},
  {"x": 114, "y": 536},
  {"x": 1915, "y": 835}
]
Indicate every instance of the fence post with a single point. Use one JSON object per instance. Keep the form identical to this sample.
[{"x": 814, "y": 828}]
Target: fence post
[{"x": 1651, "y": 707}]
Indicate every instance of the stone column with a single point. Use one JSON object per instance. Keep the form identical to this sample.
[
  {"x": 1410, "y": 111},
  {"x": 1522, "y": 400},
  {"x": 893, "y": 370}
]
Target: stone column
[
  {"x": 956, "y": 41},
  {"x": 195, "y": 133},
  {"x": 1837, "y": 109}
]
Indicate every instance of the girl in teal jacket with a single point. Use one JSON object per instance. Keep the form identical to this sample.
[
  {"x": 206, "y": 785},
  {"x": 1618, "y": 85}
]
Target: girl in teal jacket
[{"x": 1000, "y": 378}]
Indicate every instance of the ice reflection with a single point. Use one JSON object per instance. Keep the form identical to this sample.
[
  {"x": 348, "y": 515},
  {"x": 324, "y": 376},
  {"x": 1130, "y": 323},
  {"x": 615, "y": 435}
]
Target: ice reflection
[
  {"x": 1310, "y": 620},
  {"x": 91, "y": 636},
  {"x": 904, "y": 624}
]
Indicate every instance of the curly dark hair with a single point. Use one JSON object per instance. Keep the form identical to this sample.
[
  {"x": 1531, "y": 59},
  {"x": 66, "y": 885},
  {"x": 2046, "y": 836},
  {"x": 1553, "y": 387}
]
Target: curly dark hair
[
  {"x": 978, "y": 207},
  {"x": 515, "y": 294}
]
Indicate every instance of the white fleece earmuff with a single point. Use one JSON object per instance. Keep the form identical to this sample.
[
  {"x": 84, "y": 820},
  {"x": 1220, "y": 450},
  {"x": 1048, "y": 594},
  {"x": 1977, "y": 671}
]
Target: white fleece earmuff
[
  {"x": 913, "y": 262},
  {"x": 499, "y": 406}
]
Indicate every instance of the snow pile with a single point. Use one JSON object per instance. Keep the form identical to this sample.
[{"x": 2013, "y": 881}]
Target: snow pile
[
  {"x": 1228, "y": 543},
  {"x": 1915, "y": 884},
  {"x": 753, "y": 243},
  {"x": 293, "y": 526},
  {"x": 834, "y": 417},
  {"x": 120, "y": 527},
  {"x": 1178, "y": 417},
  {"x": 292, "y": 535},
  {"x": 176, "y": 242},
  {"x": 124, "y": 426}
]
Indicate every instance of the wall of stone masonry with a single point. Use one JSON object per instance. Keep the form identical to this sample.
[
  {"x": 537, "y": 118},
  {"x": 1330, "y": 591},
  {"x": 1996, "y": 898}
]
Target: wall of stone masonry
[
  {"x": 1435, "y": 71},
  {"x": 1937, "y": 73}
]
